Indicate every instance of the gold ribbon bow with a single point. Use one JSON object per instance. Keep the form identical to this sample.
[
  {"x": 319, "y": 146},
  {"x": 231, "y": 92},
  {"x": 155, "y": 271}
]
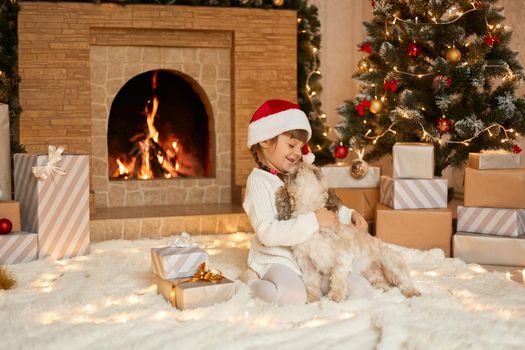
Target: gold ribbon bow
[
  {"x": 202, "y": 274},
  {"x": 54, "y": 156}
]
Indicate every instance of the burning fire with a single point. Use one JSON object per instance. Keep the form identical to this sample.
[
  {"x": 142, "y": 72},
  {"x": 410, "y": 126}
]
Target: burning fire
[{"x": 150, "y": 157}]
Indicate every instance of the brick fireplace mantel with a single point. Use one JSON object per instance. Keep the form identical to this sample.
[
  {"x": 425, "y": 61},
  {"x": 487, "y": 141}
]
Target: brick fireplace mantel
[{"x": 59, "y": 41}]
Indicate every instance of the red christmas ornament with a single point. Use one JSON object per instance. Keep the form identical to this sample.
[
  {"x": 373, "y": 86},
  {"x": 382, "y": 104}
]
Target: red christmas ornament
[
  {"x": 444, "y": 125},
  {"x": 360, "y": 108},
  {"x": 5, "y": 226},
  {"x": 490, "y": 40},
  {"x": 341, "y": 152},
  {"x": 413, "y": 50},
  {"x": 516, "y": 149},
  {"x": 391, "y": 84},
  {"x": 373, "y": 2},
  {"x": 478, "y": 4},
  {"x": 441, "y": 80},
  {"x": 366, "y": 48}
]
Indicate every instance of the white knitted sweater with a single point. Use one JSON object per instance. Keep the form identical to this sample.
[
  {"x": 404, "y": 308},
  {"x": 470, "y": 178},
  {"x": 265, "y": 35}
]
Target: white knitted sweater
[{"x": 273, "y": 238}]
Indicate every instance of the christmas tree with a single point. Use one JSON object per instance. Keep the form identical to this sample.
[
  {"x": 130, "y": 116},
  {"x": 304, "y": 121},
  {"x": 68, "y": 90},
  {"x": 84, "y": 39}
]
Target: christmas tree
[{"x": 437, "y": 71}]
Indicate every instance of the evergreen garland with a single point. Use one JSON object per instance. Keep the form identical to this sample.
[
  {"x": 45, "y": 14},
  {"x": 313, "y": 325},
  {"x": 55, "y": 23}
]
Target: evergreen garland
[{"x": 308, "y": 44}]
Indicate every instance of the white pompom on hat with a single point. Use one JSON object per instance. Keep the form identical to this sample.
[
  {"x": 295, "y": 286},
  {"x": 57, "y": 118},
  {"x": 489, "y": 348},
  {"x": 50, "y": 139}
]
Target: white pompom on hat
[{"x": 275, "y": 117}]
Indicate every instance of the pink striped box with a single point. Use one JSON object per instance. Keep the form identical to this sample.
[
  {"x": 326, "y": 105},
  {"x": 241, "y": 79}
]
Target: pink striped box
[
  {"x": 492, "y": 221},
  {"x": 18, "y": 247},
  {"x": 413, "y": 193},
  {"x": 175, "y": 262},
  {"x": 56, "y": 207}
]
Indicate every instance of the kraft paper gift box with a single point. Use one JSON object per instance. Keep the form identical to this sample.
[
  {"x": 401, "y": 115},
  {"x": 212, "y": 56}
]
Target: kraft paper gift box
[
  {"x": 413, "y": 193},
  {"x": 11, "y": 210},
  {"x": 53, "y": 191},
  {"x": 494, "y": 160},
  {"x": 364, "y": 200},
  {"x": 494, "y": 221},
  {"x": 413, "y": 160},
  {"x": 338, "y": 176},
  {"x": 489, "y": 249},
  {"x": 415, "y": 228},
  {"x": 495, "y": 188},
  {"x": 18, "y": 247},
  {"x": 191, "y": 295},
  {"x": 175, "y": 262}
]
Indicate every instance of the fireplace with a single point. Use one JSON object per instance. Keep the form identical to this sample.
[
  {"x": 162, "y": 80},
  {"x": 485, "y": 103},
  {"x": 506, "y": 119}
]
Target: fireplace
[
  {"x": 159, "y": 127},
  {"x": 176, "y": 102},
  {"x": 76, "y": 59}
]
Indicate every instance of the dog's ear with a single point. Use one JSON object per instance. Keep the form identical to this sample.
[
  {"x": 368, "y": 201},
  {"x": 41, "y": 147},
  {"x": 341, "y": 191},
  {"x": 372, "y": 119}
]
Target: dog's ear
[
  {"x": 284, "y": 203},
  {"x": 333, "y": 203}
]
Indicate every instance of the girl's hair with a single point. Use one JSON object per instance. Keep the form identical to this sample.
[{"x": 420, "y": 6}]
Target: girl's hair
[{"x": 298, "y": 134}]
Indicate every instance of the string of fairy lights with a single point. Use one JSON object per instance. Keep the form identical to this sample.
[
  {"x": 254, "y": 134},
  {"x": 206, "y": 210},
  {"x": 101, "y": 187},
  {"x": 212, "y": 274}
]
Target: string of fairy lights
[
  {"x": 311, "y": 94},
  {"x": 492, "y": 129}
]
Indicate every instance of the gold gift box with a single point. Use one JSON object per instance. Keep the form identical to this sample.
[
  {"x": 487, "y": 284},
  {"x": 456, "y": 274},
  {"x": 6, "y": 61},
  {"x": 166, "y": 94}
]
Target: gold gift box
[
  {"x": 413, "y": 160},
  {"x": 364, "y": 200},
  {"x": 494, "y": 160},
  {"x": 489, "y": 249},
  {"x": 415, "y": 228},
  {"x": 184, "y": 294}
]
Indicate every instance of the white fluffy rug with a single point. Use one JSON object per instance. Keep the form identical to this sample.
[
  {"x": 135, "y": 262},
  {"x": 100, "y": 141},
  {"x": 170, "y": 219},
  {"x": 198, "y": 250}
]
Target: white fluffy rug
[{"x": 107, "y": 300}]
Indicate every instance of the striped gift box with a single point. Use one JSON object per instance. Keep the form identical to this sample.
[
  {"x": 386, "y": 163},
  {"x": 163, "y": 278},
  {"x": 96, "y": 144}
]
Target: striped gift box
[
  {"x": 175, "y": 262},
  {"x": 56, "y": 208},
  {"x": 18, "y": 247},
  {"x": 492, "y": 221},
  {"x": 413, "y": 193}
]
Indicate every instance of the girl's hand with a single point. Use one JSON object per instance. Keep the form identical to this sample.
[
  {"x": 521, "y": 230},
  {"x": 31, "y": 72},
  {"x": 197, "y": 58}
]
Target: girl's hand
[
  {"x": 326, "y": 218},
  {"x": 359, "y": 221}
]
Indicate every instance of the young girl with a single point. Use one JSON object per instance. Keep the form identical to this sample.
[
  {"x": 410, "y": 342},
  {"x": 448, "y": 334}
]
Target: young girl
[{"x": 276, "y": 134}]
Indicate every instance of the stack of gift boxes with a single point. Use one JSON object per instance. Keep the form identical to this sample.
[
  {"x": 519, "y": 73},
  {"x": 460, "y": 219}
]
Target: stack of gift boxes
[
  {"x": 51, "y": 202},
  {"x": 361, "y": 194},
  {"x": 491, "y": 224},
  {"x": 413, "y": 204},
  {"x": 183, "y": 279}
]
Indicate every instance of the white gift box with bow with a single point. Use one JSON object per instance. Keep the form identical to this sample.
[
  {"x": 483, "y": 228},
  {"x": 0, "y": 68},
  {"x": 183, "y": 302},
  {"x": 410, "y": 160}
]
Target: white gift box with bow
[
  {"x": 53, "y": 191},
  {"x": 180, "y": 258}
]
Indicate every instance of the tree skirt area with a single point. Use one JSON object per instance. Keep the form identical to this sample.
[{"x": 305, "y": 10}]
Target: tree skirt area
[{"x": 108, "y": 300}]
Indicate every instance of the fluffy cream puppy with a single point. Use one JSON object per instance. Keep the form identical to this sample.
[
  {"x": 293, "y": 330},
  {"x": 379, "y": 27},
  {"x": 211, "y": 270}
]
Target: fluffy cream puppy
[{"x": 338, "y": 250}]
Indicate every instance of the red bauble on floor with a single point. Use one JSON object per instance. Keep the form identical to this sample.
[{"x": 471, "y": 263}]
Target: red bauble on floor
[{"x": 5, "y": 226}]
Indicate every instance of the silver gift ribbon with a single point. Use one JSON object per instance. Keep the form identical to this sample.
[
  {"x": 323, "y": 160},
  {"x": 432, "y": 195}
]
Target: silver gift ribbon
[
  {"x": 183, "y": 241},
  {"x": 54, "y": 156}
]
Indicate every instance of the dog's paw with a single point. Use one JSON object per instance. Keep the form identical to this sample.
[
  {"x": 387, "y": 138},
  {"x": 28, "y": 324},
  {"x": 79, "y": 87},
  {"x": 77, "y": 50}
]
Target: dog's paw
[
  {"x": 337, "y": 295},
  {"x": 313, "y": 296},
  {"x": 410, "y": 292}
]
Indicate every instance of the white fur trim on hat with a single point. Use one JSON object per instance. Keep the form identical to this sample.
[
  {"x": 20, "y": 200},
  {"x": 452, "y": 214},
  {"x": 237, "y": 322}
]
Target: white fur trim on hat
[{"x": 273, "y": 125}]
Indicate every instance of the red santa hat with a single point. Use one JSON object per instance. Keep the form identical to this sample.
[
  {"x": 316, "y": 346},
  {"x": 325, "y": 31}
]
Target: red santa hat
[{"x": 275, "y": 117}]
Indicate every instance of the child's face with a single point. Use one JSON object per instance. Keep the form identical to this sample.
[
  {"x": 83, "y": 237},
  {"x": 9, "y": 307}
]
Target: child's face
[{"x": 284, "y": 154}]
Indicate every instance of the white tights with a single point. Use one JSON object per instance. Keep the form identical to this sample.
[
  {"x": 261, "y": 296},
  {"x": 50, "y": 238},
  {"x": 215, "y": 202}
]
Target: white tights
[{"x": 282, "y": 286}]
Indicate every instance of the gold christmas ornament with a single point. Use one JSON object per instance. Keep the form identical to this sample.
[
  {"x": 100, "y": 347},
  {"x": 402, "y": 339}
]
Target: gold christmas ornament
[
  {"x": 376, "y": 105},
  {"x": 358, "y": 168},
  {"x": 277, "y": 3},
  {"x": 453, "y": 55},
  {"x": 363, "y": 65}
]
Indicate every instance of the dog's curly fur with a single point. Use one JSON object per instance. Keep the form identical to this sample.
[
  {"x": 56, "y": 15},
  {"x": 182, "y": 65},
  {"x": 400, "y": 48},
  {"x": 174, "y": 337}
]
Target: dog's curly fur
[{"x": 337, "y": 251}]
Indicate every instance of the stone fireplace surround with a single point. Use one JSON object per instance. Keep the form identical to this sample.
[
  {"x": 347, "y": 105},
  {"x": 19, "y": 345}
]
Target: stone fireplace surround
[
  {"x": 111, "y": 67},
  {"x": 74, "y": 57}
]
